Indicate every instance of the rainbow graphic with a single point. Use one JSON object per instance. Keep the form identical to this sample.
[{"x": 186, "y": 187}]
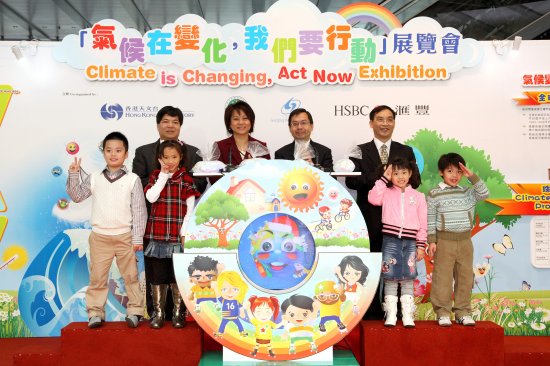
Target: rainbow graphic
[{"x": 370, "y": 13}]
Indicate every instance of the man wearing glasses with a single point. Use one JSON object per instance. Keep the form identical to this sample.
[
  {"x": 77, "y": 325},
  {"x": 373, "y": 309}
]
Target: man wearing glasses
[
  {"x": 300, "y": 124},
  {"x": 375, "y": 154}
]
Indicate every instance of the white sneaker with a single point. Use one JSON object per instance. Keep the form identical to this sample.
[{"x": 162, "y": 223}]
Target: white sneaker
[
  {"x": 444, "y": 321},
  {"x": 95, "y": 321},
  {"x": 466, "y": 320}
]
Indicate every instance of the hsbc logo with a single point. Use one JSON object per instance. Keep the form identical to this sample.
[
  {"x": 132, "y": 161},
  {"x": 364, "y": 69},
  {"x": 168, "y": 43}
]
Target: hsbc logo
[{"x": 351, "y": 110}]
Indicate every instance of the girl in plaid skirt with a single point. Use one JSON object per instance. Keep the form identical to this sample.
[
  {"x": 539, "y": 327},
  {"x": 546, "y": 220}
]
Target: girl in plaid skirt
[{"x": 172, "y": 195}]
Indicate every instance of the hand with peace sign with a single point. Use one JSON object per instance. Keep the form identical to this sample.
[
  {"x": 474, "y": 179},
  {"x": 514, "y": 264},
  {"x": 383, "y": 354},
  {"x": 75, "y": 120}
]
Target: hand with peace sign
[
  {"x": 388, "y": 172},
  {"x": 163, "y": 167},
  {"x": 75, "y": 165}
]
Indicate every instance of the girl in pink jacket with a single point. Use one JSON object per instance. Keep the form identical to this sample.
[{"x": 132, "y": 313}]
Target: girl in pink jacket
[{"x": 404, "y": 224}]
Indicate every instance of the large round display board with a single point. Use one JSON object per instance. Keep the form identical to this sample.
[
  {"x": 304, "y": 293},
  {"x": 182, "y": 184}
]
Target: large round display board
[{"x": 276, "y": 263}]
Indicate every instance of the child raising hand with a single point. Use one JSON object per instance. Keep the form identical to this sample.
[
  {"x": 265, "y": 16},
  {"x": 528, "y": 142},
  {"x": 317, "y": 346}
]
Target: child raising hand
[{"x": 404, "y": 225}]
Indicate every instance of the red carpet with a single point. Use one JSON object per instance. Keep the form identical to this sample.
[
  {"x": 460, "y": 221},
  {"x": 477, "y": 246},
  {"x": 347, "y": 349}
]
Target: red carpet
[
  {"x": 429, "y": 343},
  {"x": 457, "y": 345}
]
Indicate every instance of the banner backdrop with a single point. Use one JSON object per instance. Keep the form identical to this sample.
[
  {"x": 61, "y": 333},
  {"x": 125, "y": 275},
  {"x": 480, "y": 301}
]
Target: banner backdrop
[{"x": 489, "y": 103}]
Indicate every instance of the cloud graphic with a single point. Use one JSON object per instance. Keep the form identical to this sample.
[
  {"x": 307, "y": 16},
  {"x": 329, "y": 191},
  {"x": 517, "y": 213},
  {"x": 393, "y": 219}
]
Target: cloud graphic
[
  {"x": 469, "y": 52},
  {"x": 285, "y": 19},
  {"x": 70, "y": 51},
  {"x": 75, "y": 213}
]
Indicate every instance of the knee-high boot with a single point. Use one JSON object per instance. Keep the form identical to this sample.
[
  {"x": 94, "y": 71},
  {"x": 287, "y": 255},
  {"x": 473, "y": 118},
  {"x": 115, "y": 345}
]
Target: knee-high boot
[
  {"x": 390, "y": 307},
  {"x": 407, "y": 308},
  {"x": 159, "y": 302},
  {"x": 178, "y": 317}
]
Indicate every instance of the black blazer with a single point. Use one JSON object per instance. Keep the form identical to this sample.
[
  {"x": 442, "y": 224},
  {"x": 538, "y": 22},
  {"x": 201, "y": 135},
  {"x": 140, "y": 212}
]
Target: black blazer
[
  {"x": 323, "y": 154},
  {"x": 145, "y": 161},
  {"x": 369, "y": 165}
]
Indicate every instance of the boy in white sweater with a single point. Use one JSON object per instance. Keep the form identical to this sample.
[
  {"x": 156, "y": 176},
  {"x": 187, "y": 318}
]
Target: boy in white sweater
[{"x": 118, "y": 223}]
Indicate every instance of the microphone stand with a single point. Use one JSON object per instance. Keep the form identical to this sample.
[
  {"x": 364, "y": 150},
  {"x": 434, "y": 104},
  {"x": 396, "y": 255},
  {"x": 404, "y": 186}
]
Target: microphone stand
[{"x": 229, "y": 167}]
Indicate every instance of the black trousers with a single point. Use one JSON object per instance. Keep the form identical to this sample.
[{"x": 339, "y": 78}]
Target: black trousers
[{"x": 162, "y": 271}]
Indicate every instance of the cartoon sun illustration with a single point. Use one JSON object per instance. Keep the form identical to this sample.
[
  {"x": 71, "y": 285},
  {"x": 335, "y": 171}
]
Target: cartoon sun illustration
[
  {"x": 15, "y": 257},
  {"x": 301, "y": 189}
]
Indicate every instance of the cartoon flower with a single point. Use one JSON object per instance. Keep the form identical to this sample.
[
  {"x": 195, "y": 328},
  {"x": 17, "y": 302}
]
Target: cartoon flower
[
  {"x": 506, "y": 311},
  {"x": 429, "y": 278},
  {"x": 481, "y": 270},
  {"x": 546, "y": 316},
  {"x": 5, "y": 298},
  {"x": 528, "y": 311},
  {"x": 508, "y": 302},
  {"x": 538, "y": 326},
  {"x": 488, "y": 257},
  {"x": 419, "y": 289},
  {"x": 16, "y": 313},
  {"x": 511, "y": 325},
  {"x": 521, "y": 304},
  {"x": 3, "y": 316}
]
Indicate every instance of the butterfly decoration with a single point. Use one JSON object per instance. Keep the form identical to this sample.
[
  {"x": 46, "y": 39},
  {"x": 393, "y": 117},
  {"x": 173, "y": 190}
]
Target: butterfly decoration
[
  {"x": 506, "y": 244},
  {"x": 525, "y": 286}
]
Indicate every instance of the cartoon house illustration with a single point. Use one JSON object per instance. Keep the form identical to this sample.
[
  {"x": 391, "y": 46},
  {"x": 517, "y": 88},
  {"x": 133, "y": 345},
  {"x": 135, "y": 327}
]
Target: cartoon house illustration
[
  {"x": 250, "y": 193},
  {"x": 273, "y": 203}
]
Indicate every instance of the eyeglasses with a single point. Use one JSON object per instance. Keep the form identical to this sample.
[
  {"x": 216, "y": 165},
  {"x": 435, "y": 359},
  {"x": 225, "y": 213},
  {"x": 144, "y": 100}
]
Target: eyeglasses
[
  {"x": 324, "y": 297},
  {"x": 301, "y": 123}
]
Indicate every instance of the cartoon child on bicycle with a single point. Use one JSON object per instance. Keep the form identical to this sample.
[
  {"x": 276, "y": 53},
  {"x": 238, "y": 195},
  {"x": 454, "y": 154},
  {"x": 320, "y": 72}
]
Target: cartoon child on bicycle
[
  {"x": 345, "y": 204},
  {"x": 326, "y": 218}
]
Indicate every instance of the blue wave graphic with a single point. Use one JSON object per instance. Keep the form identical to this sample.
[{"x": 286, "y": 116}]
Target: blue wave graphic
[{"x": 52, "y": 291}]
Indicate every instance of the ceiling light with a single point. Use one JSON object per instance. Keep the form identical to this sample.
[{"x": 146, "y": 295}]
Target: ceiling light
[
  {"x": 517, "y": 43},
  {"x": 17, "y": 52}
]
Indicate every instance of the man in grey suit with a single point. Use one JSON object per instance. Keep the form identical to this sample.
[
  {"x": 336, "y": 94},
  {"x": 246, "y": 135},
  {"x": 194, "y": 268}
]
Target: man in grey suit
[
  {"x": 300, "y": 124},
  {"x": 169, "y": 121},
  {"x": 375, "y": 154}
]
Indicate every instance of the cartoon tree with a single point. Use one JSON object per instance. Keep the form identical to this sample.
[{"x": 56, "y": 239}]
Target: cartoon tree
[
  {"x": 432, "y": 145},
  {"x": 221, "y": 211}
]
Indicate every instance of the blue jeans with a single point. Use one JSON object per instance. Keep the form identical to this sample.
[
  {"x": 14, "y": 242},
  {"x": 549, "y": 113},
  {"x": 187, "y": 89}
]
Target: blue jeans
[{"x": 398, "y": 258}]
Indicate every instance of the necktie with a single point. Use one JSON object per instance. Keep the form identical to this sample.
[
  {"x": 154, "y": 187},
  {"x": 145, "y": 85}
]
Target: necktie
[{"x": 384, "y": 154}]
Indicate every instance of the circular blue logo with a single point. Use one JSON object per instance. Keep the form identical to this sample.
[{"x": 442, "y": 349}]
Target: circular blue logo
[
  {"x": 111, "y": 111},
  {"x": 57, "y": 171},
  {"x": 290, "y": 105}
]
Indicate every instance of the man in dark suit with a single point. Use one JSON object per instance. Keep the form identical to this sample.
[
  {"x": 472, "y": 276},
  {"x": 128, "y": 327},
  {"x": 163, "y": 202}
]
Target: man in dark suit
[
  {"x": 300, "y": 124},
  {"x": 375, "y": 154},
  {"x": 169, "y": 121}
]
